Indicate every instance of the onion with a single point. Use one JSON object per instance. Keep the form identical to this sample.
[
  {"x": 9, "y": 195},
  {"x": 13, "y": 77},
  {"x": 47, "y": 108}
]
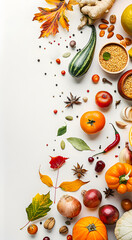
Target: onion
[
  {"x": 69, "y": 206},
  {"x": 126, "y": 155}
]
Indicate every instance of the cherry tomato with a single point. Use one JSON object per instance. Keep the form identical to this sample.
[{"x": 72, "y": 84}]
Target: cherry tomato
[
  {"x": 103, "y": 99},
  {"x": 32, "y": 229},
  {"x": 58, "y": 60},
  {"x": 69, "y": 237},
  {"x": 126, "y": 204},
  {"x": 95, "y": 78},
  {"x": 63, "y": 72},
  {"x": 92, "y": 122}
]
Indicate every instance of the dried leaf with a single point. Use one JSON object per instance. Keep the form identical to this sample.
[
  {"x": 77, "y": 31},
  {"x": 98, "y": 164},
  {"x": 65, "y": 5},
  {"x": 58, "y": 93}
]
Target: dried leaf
[
  {"x": 78, "y": 143},
  {"x": 46, "y": 179},
  {"x": 39, "y": 207},
  {"x": 72, "y": 186},
  {"x": 62, "y": 130},
  {"x": 57, "y": 162},
  {"x": 53, "y": 16}
]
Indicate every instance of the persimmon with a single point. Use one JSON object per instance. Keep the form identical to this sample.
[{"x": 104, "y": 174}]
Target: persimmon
[{"x": 92, "y": 122}]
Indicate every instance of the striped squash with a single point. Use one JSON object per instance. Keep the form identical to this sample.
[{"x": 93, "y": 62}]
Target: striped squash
[{"x": 83, "y": 59}]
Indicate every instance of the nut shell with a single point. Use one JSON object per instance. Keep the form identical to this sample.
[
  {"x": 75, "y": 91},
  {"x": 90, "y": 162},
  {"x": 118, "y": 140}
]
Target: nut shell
[
  {"x": 63, "y": 230},
  {"x": 49, "y": 223}
]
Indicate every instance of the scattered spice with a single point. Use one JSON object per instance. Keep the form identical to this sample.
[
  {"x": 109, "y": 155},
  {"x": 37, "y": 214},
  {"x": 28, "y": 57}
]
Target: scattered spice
[
  {"x": 108, "y": 192},
  {"x": 63, "y": 72},
  {"x": 68, "y": 222},
  {"x": 55, "y": 111},
  {"x": 62, "y": 144},
  {"x": 72, "y": 44},
  {"x": 104, "y": 80},
  {"x": 69, "y": 118},
  {"x": 72, "y": 100},
  {"x": 117, "y": 103},
  {"x": 58, "y": 60},
  {"x": 66, "y": 55},
  {"x": 119, "y": 37},
  {"x": 111, "y": 28},
  {"x": 104, "y": 21},
  {"x": 113, "y": 19},
  {"x": 79, "y": 171},
  {"x": 103, "y": 26},
  {"x": 102, "y": 33},
  {"x": 85, "y": 99}
]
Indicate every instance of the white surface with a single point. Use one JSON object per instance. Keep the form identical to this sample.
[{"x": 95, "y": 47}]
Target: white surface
[{"x": 27, "y": 121}]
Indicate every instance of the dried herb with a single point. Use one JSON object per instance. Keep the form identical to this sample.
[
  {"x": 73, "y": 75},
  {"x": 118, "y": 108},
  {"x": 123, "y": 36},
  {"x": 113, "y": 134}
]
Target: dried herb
[
  {"x": 39, "y": 207},
  {"x": 106, "y": 56},
  {"x": 108, "y": 192},
  {"x": 104, "y": 80},
  {"x": 117, "y": 103},
  {"x": 62, "y": 130},
  {"x": 51, "y": 17},
  {"x": 78, "y": 144},
  {"x": 72, "y": 100},
  {"x": 79, "y": 170}
]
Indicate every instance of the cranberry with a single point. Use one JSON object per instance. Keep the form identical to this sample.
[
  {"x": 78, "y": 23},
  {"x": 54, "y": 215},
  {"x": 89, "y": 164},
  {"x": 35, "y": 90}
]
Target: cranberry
[
  {"x": 90, "y": 159},
  {"x": 69, "y": 237},
  {"x": 46, "y": 238},
  {"x": 55, "y": 111},
  {"x": 99, "y": 166}
]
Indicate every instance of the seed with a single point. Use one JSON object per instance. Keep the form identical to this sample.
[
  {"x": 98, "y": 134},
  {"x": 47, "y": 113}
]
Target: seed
[
  {"x": 110, "y": 35},
  {"x": 69, "y": 118},
  {"x": 113, "y": 19},
  {"x": 63, "y": 230},
  {"x": 123, "y": 42},
  {"x": 85, "y": 99},
  {"x": 72, "y": 44},
  {"x": 104, "y": 21},
  {"x": 128, "y": 41},
  {"x": 119, "y": 36},
  {"x": 68, "y": 222},
  {"x": 62, "y": 144},
  {"x": 102, "y": 33},
  {"x": 66, "y": 55},
  {"x": 103, "y": 26},
  {"x": 49, "y": 223},
  {"x": 111, "y": 28}
]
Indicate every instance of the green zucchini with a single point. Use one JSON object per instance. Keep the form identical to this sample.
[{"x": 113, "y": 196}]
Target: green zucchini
[{"x": 83, "y": 59}]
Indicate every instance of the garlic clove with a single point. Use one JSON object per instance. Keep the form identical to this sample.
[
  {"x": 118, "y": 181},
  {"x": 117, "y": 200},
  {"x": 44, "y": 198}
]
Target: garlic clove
[
  {"x": 123, "y": 116},
  {"x": 125, "y": 155},
  {"x": 126, "y": 114},
  {"x": 121, "y": 124}
]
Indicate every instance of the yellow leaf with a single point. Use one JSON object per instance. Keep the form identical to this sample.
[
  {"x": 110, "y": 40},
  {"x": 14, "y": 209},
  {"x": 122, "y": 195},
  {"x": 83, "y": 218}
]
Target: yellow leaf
[
  {"x": 46, "y": 180},
  {"x": 72, "y": 186},
  {"x": 70, "y": 3}
]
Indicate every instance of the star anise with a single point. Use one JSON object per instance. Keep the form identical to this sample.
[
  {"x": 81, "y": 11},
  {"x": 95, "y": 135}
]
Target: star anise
[
  {"x": 79, "y": 171},
  {"x": 108, "y": 192},
  {"x": 72, "y": 100}
]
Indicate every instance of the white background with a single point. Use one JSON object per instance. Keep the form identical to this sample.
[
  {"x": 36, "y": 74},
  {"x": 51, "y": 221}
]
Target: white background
[{"x": 27, "y": 121}]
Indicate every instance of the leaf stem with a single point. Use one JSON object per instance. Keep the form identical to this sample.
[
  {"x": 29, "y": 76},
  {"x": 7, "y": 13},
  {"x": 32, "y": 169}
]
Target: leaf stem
[
  {"x": 56, "y": 184},
  {"x": 25, "y": 225}
]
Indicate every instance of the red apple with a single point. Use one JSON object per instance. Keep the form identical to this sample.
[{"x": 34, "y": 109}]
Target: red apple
[
  {"x": 108, "y": 214},
  {"x": 92, "y": 198}
]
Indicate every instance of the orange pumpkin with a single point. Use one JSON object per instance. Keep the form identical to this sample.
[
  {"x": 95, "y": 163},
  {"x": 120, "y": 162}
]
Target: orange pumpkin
[
  {"x": 89, "y": 228},
  {"x": 119, "y": 177}
]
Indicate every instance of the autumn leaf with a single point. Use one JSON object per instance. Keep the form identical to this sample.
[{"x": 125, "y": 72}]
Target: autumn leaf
[
  {"x": 72, "y": 186},
  {"x": 39, "y": 207},
  {"x": 57, "y": 162},
  {"x": 46, "y": 179},
  {"x": 51, "y": 17}
]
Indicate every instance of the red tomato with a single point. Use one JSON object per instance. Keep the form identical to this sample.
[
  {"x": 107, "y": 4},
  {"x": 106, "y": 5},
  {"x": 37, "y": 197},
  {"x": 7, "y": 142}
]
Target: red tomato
[
  {"x": 103, "y": 99},
  {"x": 95, "y": 78}
]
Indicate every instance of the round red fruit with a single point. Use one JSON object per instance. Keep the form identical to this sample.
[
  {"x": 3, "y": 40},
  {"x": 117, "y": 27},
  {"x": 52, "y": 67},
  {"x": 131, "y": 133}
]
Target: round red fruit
[
  {"x": 103, "y": 99},
  {"x": 100, "y": 165},
  {"x": 95, "y": 78},
  {"x": 58, "y": 60},
  {"x": 63, "y": 72},
  {"x": 108, "y": 214},
  {"x": 92, "y": 198},
  {"x": 32, "y": 229},
  {"x": 69, "y": 237}
]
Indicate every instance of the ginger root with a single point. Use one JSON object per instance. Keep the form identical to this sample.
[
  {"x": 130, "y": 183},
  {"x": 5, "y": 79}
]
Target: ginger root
[{"x": 95, "y": 9}]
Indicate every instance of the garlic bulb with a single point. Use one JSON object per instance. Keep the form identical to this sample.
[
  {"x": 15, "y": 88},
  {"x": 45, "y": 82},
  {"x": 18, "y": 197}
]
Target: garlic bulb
[
  {"x": 126, "y": 155},
  {"x": 126, "y": 114}
]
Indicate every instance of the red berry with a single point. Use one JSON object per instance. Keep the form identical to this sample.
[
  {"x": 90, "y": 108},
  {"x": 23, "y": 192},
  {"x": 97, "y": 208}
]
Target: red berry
[
  {"x": 87, "y": 91},
  {"x": 90, "y": 159},
  {"x": 116, "y": 156},
  {"x": 55, "y": 111},
  {"x": 99, "y": 166},
  {"x": 46, "y": 238},
  {"x": 95, "y": 78},
  {"x": 63, "y": 72},
  {"x": 69, "y": 237},
  {"x": 58, "y": 60}
]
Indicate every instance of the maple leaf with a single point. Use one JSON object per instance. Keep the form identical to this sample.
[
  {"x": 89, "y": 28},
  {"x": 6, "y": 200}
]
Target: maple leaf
[
  {"x": 51, "y": 17},
  {"x": 57, "y": 162},
  {"x": 39, "y": 207}
]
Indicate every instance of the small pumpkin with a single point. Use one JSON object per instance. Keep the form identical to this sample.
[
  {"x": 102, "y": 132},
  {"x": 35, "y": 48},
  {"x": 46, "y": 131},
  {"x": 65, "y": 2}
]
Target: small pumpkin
[
  {"x": 119, "y": 177},
  {"x": 123, "y": 229},
  {"x": 89, "y": 228}
]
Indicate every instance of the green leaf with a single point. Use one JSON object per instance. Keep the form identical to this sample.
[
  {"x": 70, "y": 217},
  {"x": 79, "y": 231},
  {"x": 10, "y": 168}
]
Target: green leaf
[
  {"x": 62, "y": 130},
  {"x": 78, "y": 143},
  {"x": 106, "y": 56},
  {"x": 39, "y": 207}
]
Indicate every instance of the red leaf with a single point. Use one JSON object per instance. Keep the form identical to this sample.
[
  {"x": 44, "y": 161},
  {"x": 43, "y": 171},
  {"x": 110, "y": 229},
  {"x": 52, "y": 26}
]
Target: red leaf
[{"x": 57, "y": 162}]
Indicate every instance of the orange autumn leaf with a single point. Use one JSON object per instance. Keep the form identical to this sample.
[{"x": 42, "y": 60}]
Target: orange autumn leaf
[
  {"x": 46, "y": 179},
  {"x": 51, "y": 17},
  {"x": 72, "y": 186}
]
